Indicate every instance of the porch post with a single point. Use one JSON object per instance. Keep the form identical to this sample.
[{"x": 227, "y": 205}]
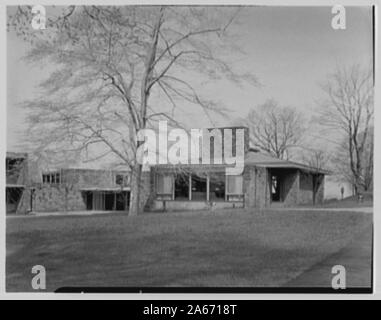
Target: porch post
[
  {"x": 207, "y": 187},
  {"x": 190, "y": 186},
  {"x": 173, "y": 186},
  {"x": 226, "y": 187}
]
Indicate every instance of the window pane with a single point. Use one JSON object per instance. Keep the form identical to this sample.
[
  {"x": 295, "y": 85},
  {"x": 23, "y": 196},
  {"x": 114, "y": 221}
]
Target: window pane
[
  {"x": 164, "y": 184},
  {"x": 217, "y": 187},
  {"x": 235, "y": 184},
  {"x": 119, "y": 179},
  {"x": 168, "y": 184},
  {"x": 53, "y": 178},
  {"x": 58, "y": 178},
  {"x": 198, "y": 187},
  {"x": 182, "y": 187}
]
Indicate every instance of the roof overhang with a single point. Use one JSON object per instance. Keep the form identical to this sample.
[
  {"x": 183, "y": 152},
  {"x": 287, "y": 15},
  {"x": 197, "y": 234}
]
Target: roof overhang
[
  {"x": 15, "y": 186},
  {"x": 291, "y": 165}
]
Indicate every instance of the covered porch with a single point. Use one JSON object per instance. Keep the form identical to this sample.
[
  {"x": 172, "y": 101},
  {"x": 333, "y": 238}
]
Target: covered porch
[{"x": 295, "y": 186}]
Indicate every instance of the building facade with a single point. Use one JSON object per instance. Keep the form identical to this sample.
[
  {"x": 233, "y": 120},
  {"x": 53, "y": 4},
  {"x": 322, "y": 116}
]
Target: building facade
[
  {"x": 264, "y": 182},
  {"x": 63, "y": 189},
  {"x": 81, "y": 189}
]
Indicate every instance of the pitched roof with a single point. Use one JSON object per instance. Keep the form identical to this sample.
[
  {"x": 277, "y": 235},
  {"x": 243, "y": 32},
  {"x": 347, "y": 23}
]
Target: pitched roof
[{"x": 267, "y": 161}]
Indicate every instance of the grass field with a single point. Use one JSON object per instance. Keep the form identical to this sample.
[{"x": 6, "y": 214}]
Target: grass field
[
  {"x": 350, "y": 202},
  {"x": 233, "y": 248}
]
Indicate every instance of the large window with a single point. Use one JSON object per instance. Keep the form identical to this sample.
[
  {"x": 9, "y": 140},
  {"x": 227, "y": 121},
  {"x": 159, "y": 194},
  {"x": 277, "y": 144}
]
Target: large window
[
  {"x": 106, "y": 200},
  {"x": 13, "y": 164},
  {"x": 217, "y": 187},
  {"x": 122, "y": 180},
  {"x": 164, "y": 184},
  {"x": 220, "y": 187},
  {"x": 182, "y": 187},
  {"x": 235, "y": 188},
  {"x": 198, "y": 187}
]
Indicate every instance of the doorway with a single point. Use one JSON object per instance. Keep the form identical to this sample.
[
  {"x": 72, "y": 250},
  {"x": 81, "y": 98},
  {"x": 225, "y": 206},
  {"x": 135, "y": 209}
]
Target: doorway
[
  {"x": 109, "y": 201},
  {"x": 275, "y": 188}
]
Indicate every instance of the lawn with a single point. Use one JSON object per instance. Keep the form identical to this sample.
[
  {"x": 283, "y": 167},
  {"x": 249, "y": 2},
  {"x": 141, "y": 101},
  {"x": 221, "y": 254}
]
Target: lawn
[
  {"x": 235, "y": 248},
  {"x": 350, "y": 202}
]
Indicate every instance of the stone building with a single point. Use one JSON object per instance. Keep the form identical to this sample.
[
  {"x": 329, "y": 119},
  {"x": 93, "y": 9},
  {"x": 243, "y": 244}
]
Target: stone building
[
  {"x": 63, "y": 190},
  {"x": 265, "y": 181},
  {"x": 81, "y": 189}
]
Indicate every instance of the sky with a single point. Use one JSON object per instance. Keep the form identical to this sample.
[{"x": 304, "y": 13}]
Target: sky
[{"x": 290, "y": 50}]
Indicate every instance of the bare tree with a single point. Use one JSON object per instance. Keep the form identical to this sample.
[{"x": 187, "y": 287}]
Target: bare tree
[
  {"x": 343, "y": 167},
  {"x": 118, "y": 70},
  {"x": 348, "y": 109},
  {"x": 275, "y": 129},
  {"x": 316, "y": 158}
]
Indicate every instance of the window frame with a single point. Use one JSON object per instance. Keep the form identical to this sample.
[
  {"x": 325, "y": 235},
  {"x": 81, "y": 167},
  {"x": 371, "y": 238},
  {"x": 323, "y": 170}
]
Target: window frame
[
  {"x": 232, "y": 196},
  {"x": 163, "y": 175},
  {"x": 49, "y": 177}
]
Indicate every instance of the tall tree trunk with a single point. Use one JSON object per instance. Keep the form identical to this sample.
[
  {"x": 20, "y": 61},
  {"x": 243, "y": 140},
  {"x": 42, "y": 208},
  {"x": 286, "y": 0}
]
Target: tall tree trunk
[{"x": 136, "y": 187}]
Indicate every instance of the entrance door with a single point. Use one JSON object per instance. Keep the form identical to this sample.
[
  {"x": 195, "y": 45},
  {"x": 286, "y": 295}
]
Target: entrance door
[{"x": 276, "y": 188}]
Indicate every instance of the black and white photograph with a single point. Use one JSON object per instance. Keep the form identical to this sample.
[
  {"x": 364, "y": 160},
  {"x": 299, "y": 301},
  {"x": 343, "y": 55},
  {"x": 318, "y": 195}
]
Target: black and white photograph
[{"x": 179, "y": 148}]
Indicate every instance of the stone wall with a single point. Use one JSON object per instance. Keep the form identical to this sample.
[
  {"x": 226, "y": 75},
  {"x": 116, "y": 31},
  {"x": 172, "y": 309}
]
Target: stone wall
[
  {"x": 311, "y": 188},
  {"x": 173, "y": 205},
  {"x": 91, "y": 178},
  {"x": 256, "y": 187},
  {"x": 50, "y": 198},
  {"x": 306, "y": 193},
  {"x": 319, "y": 189},
  {"x": 290, "y": 192}
]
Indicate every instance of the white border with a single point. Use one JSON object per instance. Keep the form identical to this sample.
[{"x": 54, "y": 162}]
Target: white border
[{"x": 146, "y": 296}]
